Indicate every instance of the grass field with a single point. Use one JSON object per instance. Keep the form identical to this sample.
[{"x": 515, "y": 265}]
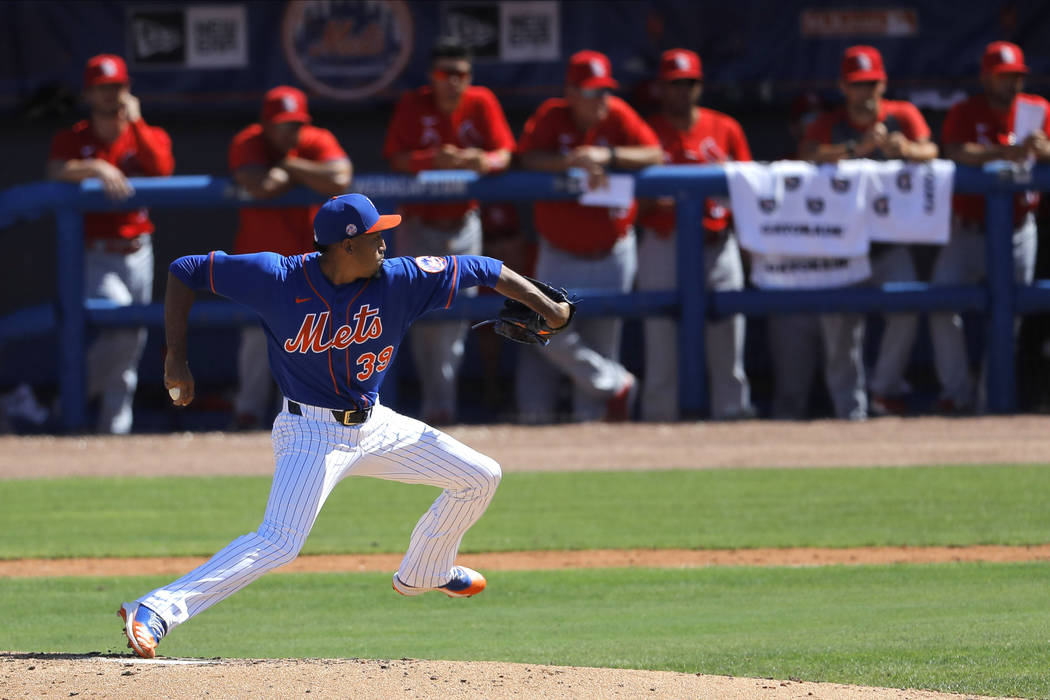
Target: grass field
[
  {"x": 582, "y": 510},
  {"x": 974, "y": 628}
]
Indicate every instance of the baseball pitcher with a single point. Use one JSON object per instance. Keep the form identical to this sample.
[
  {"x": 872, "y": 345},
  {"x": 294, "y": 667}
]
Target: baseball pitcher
[{"x": 334, "y": 320}]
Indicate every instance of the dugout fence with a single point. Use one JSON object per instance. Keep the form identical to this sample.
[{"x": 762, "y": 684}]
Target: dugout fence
[{"x": 71, "y": 315}]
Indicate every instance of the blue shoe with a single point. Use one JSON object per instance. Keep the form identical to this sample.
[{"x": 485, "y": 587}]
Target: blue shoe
[
  {"x": 463, "y": 584},
  {"x": 143, "y": 628}
]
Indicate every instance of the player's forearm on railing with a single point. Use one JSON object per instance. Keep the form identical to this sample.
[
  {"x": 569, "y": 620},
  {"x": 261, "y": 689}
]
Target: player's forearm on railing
[
  {"x": 261, "y": 183},
  {"x": 178, "y": 300},
  {"x": 545, "y": 161},
  {"x": 331, "y": 177},
  {"x": 978, "y": 154},
  {"x": 72, "y": 170},
  {"x": 635, "y": 157}
]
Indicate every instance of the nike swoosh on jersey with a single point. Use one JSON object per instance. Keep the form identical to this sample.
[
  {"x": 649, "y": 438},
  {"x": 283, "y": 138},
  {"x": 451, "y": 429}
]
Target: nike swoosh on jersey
[{"x": 300, "y": 300}]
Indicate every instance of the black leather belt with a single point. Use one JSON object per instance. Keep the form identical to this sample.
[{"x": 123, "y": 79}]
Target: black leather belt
[{"x": 355, "y": 417}]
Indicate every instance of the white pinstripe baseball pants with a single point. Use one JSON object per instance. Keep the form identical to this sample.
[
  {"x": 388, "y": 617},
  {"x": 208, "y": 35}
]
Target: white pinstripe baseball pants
[{"x": 313, "y": 453}]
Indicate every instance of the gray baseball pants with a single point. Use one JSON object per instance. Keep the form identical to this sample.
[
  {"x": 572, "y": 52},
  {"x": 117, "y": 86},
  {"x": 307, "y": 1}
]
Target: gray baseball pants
[
  {"x": 963, "y": 261},
  {"x": 729, "y": 388},
  {"x": 113, "y": 358},
  {"x": 589, "y": 351}
]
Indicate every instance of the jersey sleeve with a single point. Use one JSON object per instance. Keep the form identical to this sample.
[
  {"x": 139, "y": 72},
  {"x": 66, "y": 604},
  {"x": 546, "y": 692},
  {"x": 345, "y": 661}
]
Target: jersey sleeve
[
  {"x": 154, "y": 148},
  {"x": 247, "y": 151},
  {"x": 500, "y": 136},
  {"x": 738, "y": 146},
  {"x": 433, "y": 281},
  {"x": 539, "y": 133},
  {"x": 636, "y": 131},
  {"x": 322, "y": 146},
  {"x": 956, "y": 127},
  {"x": 247, "y": 279},
  {"x": 915, "y": 126}
]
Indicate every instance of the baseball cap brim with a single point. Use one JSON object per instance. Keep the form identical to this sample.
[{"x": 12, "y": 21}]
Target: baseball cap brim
[
  {"x": 865, "y": 76},
  {"x": 108, "y": 80},
  {"x": 301, "y": 117},
  {"x": 385, "y": 222},
  {"x": 598, "y": 82},
  {"x": 680, "y": 75},
  {"x": 1008, "y": 68}
]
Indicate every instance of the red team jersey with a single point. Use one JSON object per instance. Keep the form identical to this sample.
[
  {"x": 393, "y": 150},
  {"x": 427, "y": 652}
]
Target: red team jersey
[
  {"x": 713, "y": 138},
  {"x": 836, "y": 126},
  {"x": 418, "y": 125},
  {"x": 974, "y": 121},
  {"x": 570, "y": 226},
  {"x": 287, "y": 230},
  {"x": 140, "y": 150}
]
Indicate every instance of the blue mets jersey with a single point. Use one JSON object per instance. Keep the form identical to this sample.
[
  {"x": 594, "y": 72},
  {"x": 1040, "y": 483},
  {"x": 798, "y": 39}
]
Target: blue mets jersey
[{"x": 330, "y": 345}]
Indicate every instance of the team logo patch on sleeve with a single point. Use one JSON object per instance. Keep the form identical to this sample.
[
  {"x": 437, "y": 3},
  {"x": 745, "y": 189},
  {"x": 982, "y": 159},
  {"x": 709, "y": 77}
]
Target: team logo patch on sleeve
[{"x": 431, "y": 263}]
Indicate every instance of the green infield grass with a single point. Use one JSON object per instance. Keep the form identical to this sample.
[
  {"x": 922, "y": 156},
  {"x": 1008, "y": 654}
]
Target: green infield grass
[
  {"x": 957, "y": 505},
  {"x": 967, "y": 628}
]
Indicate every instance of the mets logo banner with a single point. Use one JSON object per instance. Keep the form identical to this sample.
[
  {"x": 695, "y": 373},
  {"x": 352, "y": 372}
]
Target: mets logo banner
[{"x": 349, "y": 49}]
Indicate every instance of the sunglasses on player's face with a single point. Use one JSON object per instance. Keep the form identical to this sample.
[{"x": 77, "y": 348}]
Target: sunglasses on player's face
[
  {"x": 594, "y": 93},
  {"x": 684, "y": 83},
  {"x": 447, "y": 73}
]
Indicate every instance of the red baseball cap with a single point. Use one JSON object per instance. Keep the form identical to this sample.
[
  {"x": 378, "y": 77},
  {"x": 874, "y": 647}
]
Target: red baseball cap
[
  {"x": 677, "y": 64},
  {"x": 105, "y": 69},
  {"x": 284, "y": 104},
  {"x": 590, "y": 69},
  {"x": 1003, "y": 57},
  {"x": 861, "y": 64}
]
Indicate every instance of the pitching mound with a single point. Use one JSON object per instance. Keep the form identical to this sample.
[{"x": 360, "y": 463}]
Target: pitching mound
[{"x": 67, "y": 675}]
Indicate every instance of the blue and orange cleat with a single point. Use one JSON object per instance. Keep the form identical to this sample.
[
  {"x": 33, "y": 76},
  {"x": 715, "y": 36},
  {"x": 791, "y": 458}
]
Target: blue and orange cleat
[
  {"x": 143, "y": 628},
  {"x": 463, "y": 584}
]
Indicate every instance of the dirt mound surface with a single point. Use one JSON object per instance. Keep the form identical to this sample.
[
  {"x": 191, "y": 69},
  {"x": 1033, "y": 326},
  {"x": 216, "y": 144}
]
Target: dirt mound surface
[{"x": 128, "y": 678}]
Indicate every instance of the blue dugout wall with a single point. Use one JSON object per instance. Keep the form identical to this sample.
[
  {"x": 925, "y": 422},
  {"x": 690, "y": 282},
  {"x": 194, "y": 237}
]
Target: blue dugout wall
[{"x": 998, "y": 297}]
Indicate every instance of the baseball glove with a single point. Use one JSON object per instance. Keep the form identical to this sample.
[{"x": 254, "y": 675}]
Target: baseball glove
[{"x": 523, "y": 325}]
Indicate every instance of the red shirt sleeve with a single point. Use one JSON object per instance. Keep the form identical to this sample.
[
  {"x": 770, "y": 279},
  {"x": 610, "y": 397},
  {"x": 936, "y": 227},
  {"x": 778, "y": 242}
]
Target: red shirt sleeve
[
  {"x": 154, "y": 148},
  {"x": 956, "y": 128},
  {"x": 914, "y": 124},
  {"x": 500, "y": 135},
  {"x": 738, "y": 147},
  {"x": 636, "y": 131},
  {"x": 247, "y": 149},
  {"x": 539, "y": 133},
  {"x": 320, "y": 145}
]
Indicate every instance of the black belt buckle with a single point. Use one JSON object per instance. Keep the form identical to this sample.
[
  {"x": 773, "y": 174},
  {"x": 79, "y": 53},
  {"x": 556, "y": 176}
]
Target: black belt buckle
[{"x": 352, "y": 417}]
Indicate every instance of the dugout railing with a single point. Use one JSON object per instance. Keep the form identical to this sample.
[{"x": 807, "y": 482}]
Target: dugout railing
[{"x": 71, "y": 316}]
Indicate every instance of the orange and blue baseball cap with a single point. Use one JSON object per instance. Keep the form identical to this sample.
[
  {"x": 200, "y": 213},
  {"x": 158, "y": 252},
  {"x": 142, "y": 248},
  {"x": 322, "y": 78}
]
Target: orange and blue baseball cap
[
  {"x": 105, "y": 69},
  {"x": 350, "y": 215},
  {"x": 862, "y": 64},
  {"x": 285, "y": 104},
  {"x": 680, "y": 64},
  {"x": 1003, "y": 57}
]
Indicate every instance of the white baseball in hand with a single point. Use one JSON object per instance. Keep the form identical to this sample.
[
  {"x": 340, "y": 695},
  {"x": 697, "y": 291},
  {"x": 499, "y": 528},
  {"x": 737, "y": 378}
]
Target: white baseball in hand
[{"x": 175, "y": 392}]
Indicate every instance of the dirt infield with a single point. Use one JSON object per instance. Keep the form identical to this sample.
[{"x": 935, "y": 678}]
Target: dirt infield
[
  {"x": 124, "y": 678},
  {"x": 883, "y": 442}
]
